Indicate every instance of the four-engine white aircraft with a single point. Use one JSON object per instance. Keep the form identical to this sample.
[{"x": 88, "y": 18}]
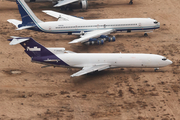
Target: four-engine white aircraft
[
  {"x": 89, "y": 62},
  {"x": 90, "y": 31}
]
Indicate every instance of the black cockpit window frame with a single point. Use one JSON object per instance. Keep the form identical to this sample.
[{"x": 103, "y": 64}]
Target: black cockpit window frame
[
  {"x": 164, "y": 59},
  {"x": 156, "y": 22}
]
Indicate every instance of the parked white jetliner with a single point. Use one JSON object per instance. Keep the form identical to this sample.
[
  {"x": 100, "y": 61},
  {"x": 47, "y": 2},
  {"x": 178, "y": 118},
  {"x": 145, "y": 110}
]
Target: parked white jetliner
[
  {"x": 89, "y": 62},
  {"x": 66, "y": 4},
  {"x": 69, "y": 4},
  {"x": 90, "y": 31}
]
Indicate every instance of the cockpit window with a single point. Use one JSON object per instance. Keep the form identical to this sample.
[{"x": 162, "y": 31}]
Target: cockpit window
[
  {"x": 164, "y": 59},
  {"x": 156, "y": 22}
]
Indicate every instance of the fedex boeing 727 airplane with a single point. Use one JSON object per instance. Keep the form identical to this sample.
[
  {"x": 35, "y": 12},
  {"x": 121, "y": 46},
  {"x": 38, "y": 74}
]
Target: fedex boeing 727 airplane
[
  {"x": 90, "y": 31},
  {"x": 89, "y": 62}
]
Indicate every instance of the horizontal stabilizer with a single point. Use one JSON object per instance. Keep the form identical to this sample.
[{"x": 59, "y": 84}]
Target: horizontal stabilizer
[
  {"x": 17, "y": 40},
  {"x": 15, "y": 22},
  {"x": 24, "y": 27}
]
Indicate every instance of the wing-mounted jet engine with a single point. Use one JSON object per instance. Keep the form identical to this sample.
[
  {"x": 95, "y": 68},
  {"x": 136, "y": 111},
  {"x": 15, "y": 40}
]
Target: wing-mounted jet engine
[
  {"x": 38, "y": 0},
  {"x": 100, "y": 40},
  {"x": 71, "y": 4}
]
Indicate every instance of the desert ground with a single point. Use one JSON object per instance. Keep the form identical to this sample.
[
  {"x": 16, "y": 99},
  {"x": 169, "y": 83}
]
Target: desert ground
[{"x": 29, "y": 92}]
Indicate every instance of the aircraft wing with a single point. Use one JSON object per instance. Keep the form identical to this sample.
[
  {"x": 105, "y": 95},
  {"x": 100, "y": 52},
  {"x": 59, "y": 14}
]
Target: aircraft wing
[
  {"x": 92, "y": 34},
  {"x": 64, "y": 2},
  {"x": 61, "y": 16},
  {"x": 90, "y": 69}
]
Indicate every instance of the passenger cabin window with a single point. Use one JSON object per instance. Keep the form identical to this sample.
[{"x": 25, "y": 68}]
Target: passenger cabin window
[
  {"x": 156, "y": 22},
  {"x": 164, "y": 59}
]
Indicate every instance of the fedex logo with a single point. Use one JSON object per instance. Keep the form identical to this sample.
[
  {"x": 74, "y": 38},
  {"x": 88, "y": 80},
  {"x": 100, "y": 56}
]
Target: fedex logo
[{"x": 33, "y": 49}]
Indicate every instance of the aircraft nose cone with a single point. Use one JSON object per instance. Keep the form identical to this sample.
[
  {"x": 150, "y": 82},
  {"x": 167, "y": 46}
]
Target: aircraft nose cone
[
  {"x": 169, "y": 62},
  {"x": 158, "y": 24}
]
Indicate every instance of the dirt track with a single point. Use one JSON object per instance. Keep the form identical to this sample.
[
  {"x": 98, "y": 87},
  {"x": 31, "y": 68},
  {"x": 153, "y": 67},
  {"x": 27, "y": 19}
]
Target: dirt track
[{"x": 29, "y": 92}]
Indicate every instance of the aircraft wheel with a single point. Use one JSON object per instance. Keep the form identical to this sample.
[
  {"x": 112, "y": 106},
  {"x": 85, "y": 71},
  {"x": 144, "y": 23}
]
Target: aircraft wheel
[
  {"x": 155, "y": 69},
  {"x": 131, "y": 2},
  {"x": 145, "y": 34}
]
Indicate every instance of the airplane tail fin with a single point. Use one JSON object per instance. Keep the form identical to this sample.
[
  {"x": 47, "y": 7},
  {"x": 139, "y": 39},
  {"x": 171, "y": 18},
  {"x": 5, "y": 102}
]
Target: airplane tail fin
[
  {"x": 32, "y": 48},
  {"x": 39, "y": 53},
  {"x": 29, "y": 19}
]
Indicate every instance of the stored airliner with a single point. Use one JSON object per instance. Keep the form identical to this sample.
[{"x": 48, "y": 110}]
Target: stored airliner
[
  {"x": 66, "y": 4},
  {"x": 89, "y": 62},
  {"x": 69, "y": 4},
  {"x": 90, "y": 31}
]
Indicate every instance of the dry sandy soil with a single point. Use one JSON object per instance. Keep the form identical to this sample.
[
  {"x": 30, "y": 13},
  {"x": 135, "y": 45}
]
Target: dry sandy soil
[{"x": 29, "y": 92}]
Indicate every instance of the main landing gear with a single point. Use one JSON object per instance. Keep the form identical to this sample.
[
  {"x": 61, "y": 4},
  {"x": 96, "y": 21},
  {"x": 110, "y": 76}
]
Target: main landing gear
[
  {"x": 131, "y": 2},
  {"x": 145, "y": 34},
  {"x": 155, "y": 69}
]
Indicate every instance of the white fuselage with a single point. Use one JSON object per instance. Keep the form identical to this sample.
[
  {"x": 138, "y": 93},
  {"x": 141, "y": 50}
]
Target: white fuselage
[
  {"x": 113, "y": 59},
  {"x": 80, "y": 27},
  {"x": 118, "y": 25}
]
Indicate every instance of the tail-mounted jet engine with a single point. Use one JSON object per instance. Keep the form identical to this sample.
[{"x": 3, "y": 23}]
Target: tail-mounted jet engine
[{"x": 100, "y": 40}]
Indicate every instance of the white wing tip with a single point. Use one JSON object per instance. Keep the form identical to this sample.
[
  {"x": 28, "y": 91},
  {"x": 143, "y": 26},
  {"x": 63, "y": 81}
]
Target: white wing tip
[
  {"x": 46, "y": 10},
  {"x": 72, "y": 42},
  {"x": 73, "y": 75},
  {"x": 55, "y": 6}
]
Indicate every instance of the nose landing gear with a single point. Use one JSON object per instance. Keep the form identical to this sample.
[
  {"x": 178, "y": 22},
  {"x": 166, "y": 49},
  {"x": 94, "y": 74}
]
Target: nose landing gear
[
  {"x": 145, "y": 34},
  {"x": 155, "y": 69},
  {"x": 131, "y": 2}
]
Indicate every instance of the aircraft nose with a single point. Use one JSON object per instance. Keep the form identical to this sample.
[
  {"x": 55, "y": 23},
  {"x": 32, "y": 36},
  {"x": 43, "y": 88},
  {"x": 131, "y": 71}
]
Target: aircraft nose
[
  {"x": 158, "y": 24},
  {"x": 169, "y": 62}
]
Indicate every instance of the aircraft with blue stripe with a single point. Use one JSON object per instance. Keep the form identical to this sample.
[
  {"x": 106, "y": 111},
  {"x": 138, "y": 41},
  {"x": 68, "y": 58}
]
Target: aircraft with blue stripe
[
  {"x": 89, "y": 62},
  {"x": 90, "y": 31}
]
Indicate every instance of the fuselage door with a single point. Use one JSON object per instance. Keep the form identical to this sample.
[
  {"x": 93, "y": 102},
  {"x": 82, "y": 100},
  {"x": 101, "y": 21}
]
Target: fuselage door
[
  {"x": 140, "y": 25},
  {"x": 76, "y": 27},
  {"x": 97, "y": 26},
  {"x": 49, "y": 28}
]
